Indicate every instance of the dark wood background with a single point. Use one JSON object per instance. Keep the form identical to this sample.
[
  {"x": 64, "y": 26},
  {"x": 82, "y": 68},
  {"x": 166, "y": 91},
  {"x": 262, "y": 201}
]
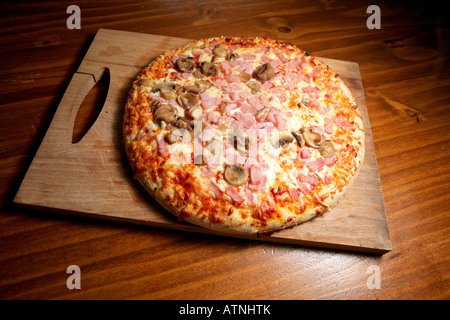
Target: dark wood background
[{"x": 405, "y": 70}]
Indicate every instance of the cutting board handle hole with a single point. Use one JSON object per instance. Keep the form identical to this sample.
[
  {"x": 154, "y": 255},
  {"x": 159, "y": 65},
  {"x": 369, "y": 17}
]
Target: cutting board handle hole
[{"x": 91, "y": 107}]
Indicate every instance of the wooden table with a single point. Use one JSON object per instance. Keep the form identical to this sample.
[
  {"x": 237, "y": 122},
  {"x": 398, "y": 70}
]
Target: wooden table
[{"x": 405, "y": 70}]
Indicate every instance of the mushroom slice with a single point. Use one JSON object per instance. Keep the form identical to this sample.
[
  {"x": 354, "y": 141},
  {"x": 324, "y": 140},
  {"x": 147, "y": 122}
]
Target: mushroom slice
[
  {"x": 255, "y": 87},
  {"x": 264, "y": 72},
  {"x": 198, "y": 74},
  {"x": 209, "y": 69},
  {"x": 312, "y": 139},
  {"x": 305, "y": 101},
  {"x": 181, "y": 123},
  {"x": 195, "y": 112},
  {"x": 185, "y": 64},
  {"x": 262, "y": 113},
  {"x": 244, "y": 76},
  {"x": 165, "y": 85},
  {"x": 299, "y": 138},
  {"x": 187, "y": 100},
  {"x": 232, "y": 56},
  {"x": 326, "y": 149},
  {"x": 223, "y": 107},
  {"x": 203, "y": 84},
  {"x": 193, "y": 89},
  {"x": 172, "y": 137},
  {"x": 282, "y": 139},
  {"x": 219, "y": 51},
  {"x": 154, "y": 105},
  {"x": 165, "y": 113},
  {"x": 167, "y": 90},
  {"x": 168, "y": 94},
  {"x": 145, "y": 82},
  {"x": 236, "y": 175}
]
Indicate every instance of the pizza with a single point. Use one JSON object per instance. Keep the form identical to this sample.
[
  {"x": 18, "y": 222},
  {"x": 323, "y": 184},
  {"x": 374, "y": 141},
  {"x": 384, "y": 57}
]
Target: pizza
[{"x": 243, "y": 135}]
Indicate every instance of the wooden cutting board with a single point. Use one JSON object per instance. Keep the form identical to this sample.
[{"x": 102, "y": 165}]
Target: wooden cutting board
[{"x": 92, "y": 177}]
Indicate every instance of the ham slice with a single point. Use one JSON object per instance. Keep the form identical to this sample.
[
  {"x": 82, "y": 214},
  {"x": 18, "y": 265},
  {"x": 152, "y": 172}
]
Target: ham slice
[
  {"x": 248, "y": 56},
  {"x": 220, "y": 84},
  {"x": 289, "y": 83},
  {"x": 250, "y": 198},
  {"x": 281, "y": 57},
  {"x": 208, "y": 173},
  {"x": 328, "y": 125},
  {"x": 275, "y": 64},
  {"x": 184, "y": 75},
  {"x": 330, "y": 161},
  {"x": 234, "y": 195},
  {"x": 265, "y": 59},
  {"x": 210, "y": 159},
  {"x": 248, "y": 108},
  {"x": 295, "y": 194},
  {"x": 242, "y": 65},
  {"x": 310, "y": 179},
  {"x": 208, "y": 134},
  {"x": 232, "y": 78},
  {"x": 280, "y": 121},
  {"x": 316, "y": 164},
  {"x": 310, "y": 89},
  {"x": 257, "y": 177},
  {"x": 271, "y": 116},
  {"x": 323, "y": 110},
  {"x": 341, "y": 122},
  {"x": 197, "y": 54},
  {"x": 304, "y": 189},
  {"x": 214, "y": 188},
  {"x": 212, "y": 117},
  {"x": 229, "y": 108},
  {"x": 163, "y": 147},
  {"x": 266, "y": 85},
  {"x": 234, "y": 87},
  {"x": 251, "y": 161},
  {"x": 247, "y": 119},
  {"x": 332, "y": 86},
  {"x": 208, "y": 102},
  {"x": 314, "y": 72},
  {"x": 244, "y": 95},
  {"x": 234, "y": 96},
  {"x": 302, "y": 63},
  {"x": 305, "y": 153},
  {"x": 144, "y": 133},
  {"x": 279, "y": 94},
  {"x": 225, "y": 66},
  {"x": 254, "y": 101}
]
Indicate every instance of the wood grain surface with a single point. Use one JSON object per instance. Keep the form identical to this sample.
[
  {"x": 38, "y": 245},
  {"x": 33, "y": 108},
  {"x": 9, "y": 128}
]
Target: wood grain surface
[
  {"x": 405, "y": 71},
  {"x": 92, "y": 176}
]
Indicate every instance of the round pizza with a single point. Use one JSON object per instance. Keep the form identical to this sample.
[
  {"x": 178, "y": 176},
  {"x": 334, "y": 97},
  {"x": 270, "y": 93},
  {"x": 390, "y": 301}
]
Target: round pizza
[{"x": 243, "y": 135}]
